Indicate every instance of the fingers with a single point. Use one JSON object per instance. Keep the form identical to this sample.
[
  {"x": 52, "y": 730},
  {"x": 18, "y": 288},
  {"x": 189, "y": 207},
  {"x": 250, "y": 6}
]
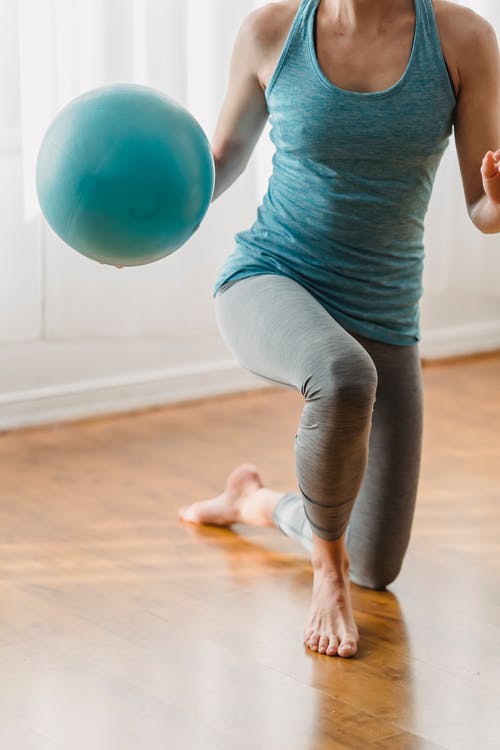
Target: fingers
[
  {"x": 491, "y": 164},
  {"x": 494, "y": 154}
]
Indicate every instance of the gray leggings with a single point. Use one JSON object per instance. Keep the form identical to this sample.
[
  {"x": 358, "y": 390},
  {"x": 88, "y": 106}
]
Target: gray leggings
[{"x": 358, "y": 443}]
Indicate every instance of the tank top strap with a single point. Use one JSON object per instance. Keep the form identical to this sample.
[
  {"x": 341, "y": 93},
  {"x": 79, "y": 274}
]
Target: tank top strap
[
  {"x": 431, "y": 51},
  {"x": 429, "y": 25},
  {"x": 292, "y": 34}
]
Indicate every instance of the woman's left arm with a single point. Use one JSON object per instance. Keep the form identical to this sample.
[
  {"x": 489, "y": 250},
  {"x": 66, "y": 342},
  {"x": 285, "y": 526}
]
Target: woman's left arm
[{"x": 477, "y": 124}]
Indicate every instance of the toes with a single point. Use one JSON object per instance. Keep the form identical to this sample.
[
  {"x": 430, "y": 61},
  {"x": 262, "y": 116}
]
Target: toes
[
  {"x": 323, "y": 643},
  {"x": 333, "y": 645},
  {"x": 347, "y": 648},
  {"x": 188, "y": 512},
  {"x": 329, "y": 645},
  {"x": 313, "y": 641}
]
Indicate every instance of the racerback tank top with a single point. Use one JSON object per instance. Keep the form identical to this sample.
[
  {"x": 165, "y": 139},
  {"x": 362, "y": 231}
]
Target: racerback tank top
[{"x": 351, "y": 181}]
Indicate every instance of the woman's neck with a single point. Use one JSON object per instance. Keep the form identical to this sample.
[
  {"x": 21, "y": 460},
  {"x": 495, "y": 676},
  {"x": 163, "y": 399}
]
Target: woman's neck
[{"x": 360, "y": 15}]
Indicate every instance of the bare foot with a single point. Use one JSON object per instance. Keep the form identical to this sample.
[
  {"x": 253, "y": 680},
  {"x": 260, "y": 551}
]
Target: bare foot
[
  {"x": 331, "y": 628},
  {"x": 245, "y": 500}
]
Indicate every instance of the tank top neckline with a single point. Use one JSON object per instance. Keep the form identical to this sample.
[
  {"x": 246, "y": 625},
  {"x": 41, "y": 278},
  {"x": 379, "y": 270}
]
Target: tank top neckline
[{"x": 310, "y": 26}]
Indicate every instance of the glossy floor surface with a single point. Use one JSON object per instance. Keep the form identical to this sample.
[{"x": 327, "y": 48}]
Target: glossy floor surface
[{"x": 122, "y": 628}]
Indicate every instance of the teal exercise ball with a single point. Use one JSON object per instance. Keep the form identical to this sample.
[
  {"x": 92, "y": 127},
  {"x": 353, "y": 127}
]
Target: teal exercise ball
[{"x": 124, "y": 174}]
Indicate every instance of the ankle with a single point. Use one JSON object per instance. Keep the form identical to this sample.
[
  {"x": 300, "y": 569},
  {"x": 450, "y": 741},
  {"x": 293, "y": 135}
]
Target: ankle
[
  {"x": 331, "y": 558},
  {"x": 338, "y": 576},
  {"x": 257, "y": 507}
]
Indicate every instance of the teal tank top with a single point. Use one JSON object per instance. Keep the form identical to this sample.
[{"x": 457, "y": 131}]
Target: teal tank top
[{"x": 352, "y": 176}]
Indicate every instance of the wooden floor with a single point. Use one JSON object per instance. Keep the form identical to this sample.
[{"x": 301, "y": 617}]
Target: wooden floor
[{"x": 124, "y": 629}]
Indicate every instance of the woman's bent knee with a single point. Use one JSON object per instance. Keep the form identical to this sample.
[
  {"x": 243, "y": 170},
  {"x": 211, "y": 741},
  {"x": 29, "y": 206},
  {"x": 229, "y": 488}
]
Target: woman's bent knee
[
  {"x": 377, "y": 580},
  {"x": 354, "y": 379}
]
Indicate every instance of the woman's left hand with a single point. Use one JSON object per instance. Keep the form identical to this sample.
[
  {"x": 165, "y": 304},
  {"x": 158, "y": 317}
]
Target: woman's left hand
[{"x": 490, "y": 170}]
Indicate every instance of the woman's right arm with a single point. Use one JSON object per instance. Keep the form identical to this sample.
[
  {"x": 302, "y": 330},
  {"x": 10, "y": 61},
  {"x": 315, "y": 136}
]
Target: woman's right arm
[{"x": 244, "y": 110}]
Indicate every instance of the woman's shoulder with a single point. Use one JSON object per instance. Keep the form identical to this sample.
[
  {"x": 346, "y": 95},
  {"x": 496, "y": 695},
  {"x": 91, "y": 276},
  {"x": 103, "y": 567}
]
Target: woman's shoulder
[
  {"x": 461, "y": 30},
  {"x": 460, "y": 25},
  {"x": 272, "y": 22}
]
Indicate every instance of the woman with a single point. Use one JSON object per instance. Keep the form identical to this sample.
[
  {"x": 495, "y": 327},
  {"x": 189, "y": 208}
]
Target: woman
[{"x": 321, "y": 293}]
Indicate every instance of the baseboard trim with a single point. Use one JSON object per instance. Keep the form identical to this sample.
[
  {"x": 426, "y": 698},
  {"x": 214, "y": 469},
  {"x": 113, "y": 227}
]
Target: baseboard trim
[
  {"x": 74, "y": 401},
  {"x": 68, "y": 402},
  {"x": 464, "y": 340}
]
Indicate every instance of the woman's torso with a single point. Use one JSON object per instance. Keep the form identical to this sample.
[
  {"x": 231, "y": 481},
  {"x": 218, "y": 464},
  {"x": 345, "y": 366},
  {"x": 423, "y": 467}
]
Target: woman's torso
[{"x": 359, "y": 124}]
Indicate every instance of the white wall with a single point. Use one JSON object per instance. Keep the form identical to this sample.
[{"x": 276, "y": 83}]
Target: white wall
[{"x": 78, "y": 338}]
